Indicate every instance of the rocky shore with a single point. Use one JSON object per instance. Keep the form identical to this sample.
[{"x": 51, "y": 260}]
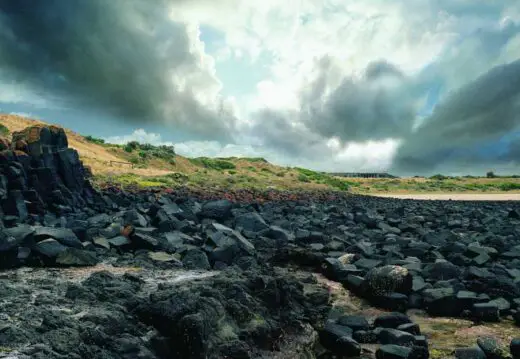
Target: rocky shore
[{"x": 180, "y": 274}]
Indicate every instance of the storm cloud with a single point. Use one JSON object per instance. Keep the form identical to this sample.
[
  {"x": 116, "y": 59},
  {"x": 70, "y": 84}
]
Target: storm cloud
[
  {"x": 123, "y": 56},
  {"x": 479, "y": 114}
]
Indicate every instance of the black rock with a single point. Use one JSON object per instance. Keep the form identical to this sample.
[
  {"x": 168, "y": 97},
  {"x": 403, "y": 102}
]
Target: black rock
[
  {"x": 119, "y": 242},
  {"x": 252, "y": 222},
  {"x": 470, "y": 353},
  {"x": 391, "y": 320},
  {"x": 72, "y": 257},
  {"x": 411, "y": 328},
  {"x": 365, "y": 337},
  {"x": 219, "y": 210},
  {"x": 442, "y": 270},
  {"x": 491, "y": 348},
  {"x": 338, "y": 339},
  {"x": 393, "y": 352},
  {"x": 63, "y": 235},
  {"x": 196, "y": 259},
  {"x": 514, "y": 347},
  {"x": 50, "y": 248},
  {"x": 8, "y": 242},
  {"x": 354, "y": 322},
  {"x": 486, "y": 312},
  {"x": 441, "y": 302},
  {"x": 502, "y": 304},
  {"x": 397, "y": 337},
  {"x": 396, "y": 302}
]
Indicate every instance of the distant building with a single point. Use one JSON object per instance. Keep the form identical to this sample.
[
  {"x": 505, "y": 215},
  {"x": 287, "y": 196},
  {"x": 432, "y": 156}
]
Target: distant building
[{"x": 363, "y": 175}]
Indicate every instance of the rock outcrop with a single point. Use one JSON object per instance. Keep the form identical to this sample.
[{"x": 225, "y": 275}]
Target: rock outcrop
[{"x": 39, "y": 173}]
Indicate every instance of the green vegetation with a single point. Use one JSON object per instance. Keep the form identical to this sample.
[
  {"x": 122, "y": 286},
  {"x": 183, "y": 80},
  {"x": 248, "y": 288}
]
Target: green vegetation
[
  {"x": 306, "y": 175},
  {"x": 98, "y": 141},
  {"x": 4, "y": 131},
  {"x": 213, "y": 163},
  {"x": 437, "y": 183}
]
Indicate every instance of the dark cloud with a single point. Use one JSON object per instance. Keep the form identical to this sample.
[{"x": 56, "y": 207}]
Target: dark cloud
[
  {"x": 284, "y": 132},
  {"x": 377, "y": 106},
  {"x": 118, "y": 55},
  {"x": 480, "y": 113}
]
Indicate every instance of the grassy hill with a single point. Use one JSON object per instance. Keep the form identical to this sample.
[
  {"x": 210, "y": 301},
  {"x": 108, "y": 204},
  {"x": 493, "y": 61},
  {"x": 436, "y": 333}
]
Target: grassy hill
[{"x": 149, "y": 166}]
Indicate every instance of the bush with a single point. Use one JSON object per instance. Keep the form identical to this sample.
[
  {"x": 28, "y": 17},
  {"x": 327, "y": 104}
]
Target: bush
[
  {"x": 4, "y": 131},
  {"x": 147, "y": 151},
  {"x": 509, "y": 186},
  {"x": 95, "y": 140},
  {"x": 303, "y": 178},
  {"x": 438, "y": 177},
  {"x": 214, "y": 164},
  {"x": 134, "y": 160},
  {"x": 490, "y": 174}
]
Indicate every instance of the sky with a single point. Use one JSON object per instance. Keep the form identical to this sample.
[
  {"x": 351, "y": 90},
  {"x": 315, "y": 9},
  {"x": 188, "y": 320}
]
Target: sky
[{"x": 410, "y": 87}]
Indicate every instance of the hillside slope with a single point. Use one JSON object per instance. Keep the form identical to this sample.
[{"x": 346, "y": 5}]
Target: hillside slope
[{"x": 111, "y": 163}]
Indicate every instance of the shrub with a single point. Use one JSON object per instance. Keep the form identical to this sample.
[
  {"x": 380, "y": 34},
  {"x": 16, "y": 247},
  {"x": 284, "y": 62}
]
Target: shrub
[
  {"x": 4, "y": 131},
  {"x": 214, "y": 164},
  {"x": 490, "y": 174},
  {"x": 134, "y": 160},
  {"x": 509, "y": 186},
  {"x": 303, "y": 178},
  {"x": 438, "y": 177},
  {"x": 95, "y": 140}
]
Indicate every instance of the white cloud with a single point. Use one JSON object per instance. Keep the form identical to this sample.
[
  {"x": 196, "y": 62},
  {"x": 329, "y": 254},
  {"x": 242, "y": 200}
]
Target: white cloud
[{"x": 139, "y": 135}]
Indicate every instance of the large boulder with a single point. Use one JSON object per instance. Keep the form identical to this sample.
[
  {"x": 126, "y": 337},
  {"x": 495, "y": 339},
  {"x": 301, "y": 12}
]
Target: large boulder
[
  {"x": 218, "y": 210},
  {"x": 387, "y": 279}
]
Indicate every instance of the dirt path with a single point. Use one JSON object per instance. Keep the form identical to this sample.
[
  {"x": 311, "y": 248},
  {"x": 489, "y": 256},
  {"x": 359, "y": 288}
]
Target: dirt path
[{"x": 456, "y": 196}]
